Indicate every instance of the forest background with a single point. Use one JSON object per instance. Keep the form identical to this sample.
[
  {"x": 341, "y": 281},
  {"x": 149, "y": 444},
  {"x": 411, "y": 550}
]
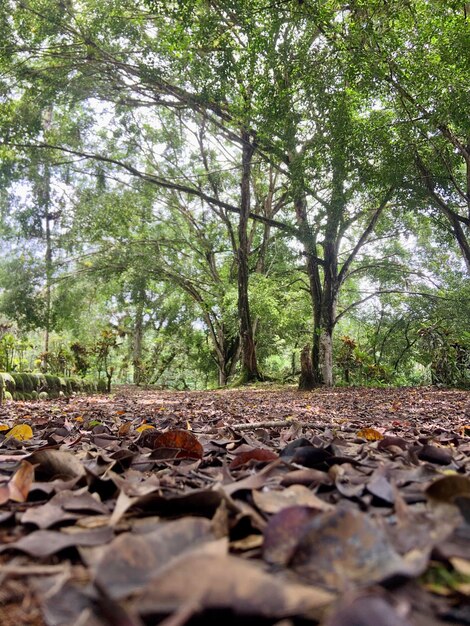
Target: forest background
[{"x": 198, "y": 193}]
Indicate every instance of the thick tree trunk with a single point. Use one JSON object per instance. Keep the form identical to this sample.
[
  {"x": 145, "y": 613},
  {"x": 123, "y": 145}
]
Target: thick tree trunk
[
  {"x": 250, "y": 370},
  {"x": 307, "y": 380}
]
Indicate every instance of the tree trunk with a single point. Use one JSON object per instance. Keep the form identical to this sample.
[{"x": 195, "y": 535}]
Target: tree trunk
[
  {"x": 137, "y": 340},
  {"x": 313, "y": 378},
  {"x": 307, "y": 380},
  {"x": 45, "y": 200},
  {"x": 328, "y": 313},
  {"x": 250, "y": 370},
  {"x": 326, "y": 351}
]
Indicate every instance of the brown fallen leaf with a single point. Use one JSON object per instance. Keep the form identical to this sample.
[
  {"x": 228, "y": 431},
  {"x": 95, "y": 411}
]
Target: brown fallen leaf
[
  {"x": 433, "y": 454},
  {"x": 131, "y": 560},
  {"x": 18, "y": 487},
  {"x": 42, "y": 543},
  {"x": 125, "y": 429},
  {"x": 368, "y": 610},
  {"x": 177, "y": 444},
  {"x": 346, "y": 548},
  {"x": 283, "y": 531},
  {"x": 259, "y": 455},
  {"x": 307, "y": 477},
  {"x": 65, "y": 506},
  {"x": 228, "y": 583},
  {"x": 54, "y": 464},
  {"x": 380, "y": 486},
  {"x": 448, "y": 488},
  {"x": 275, "y": 501}
]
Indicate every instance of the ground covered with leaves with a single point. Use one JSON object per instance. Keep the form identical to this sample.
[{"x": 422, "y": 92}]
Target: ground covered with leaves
[{"x": 258, "y": 506}]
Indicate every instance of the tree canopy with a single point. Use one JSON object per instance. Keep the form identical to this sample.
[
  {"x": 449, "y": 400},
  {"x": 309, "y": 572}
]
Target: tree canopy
[{"x": 235, "y": 191}]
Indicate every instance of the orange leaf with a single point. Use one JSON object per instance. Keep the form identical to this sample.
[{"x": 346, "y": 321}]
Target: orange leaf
[
  {"x": 21, "y": 482},
  {"x": 370, "y": 434},
  {"x": 464, "y": 430},
  {"x": 125, "y": 428},
  {"x": 21, "y": 432},
  {"x": 257, "y": 454},
  {"x": 4, "y": 427},
  {"x": 182, "y": 444}
]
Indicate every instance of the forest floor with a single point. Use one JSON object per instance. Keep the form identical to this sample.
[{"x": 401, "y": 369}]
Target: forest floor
[{"x": 257, "y": 506}]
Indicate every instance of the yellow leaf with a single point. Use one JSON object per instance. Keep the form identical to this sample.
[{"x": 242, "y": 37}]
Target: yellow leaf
[
  {"x": 79, "y": 418},
  {"x": 21, "y": 432},
  {"x": 4, "y": 427},
  {"x": 144, "y": 427},
  {"x": 370, "y": 434},
  {"x": 188, "y": 425},
  {"x": 462, "y": 566}
]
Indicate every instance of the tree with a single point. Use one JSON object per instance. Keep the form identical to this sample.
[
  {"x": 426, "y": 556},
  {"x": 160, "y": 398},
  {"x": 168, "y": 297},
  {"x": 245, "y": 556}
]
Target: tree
[
  {"x": 242, "y": 75},
  {"x": 416, "y": 53}
]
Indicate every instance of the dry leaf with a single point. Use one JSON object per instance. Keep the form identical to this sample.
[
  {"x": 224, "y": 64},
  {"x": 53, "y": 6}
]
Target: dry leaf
[
  {"x": 177, "y": 444},
  {"x": 283, "y": 532},
  {"x": 21, "y": 432},
  {"x": 21, "y": 482},
  {"x": 296, "y": 495},
  {"x": 345, "y": 548},
  {"x": 370, "y": 434},
  {"x": 140, "y": 429},
  {"x": 227, "y": 583},
  {"x": 259, "y": 454}
]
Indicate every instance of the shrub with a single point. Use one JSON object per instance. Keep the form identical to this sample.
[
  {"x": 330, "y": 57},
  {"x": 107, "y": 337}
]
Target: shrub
[
  {"x": 41, "y": 382},
  {"x": 8, "y": 382},
  {"x": 101, "y": 386},
  {"x": 76, "y": 384},
  {"x": 18, "y": 381},
  {"x": 53, "y": 382}
]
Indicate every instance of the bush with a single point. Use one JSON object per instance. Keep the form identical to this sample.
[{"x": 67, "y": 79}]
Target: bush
[
  {"x": 53, "y": 383},
  {"x": 76, "y": 384},
  {"x": 101, "y": 386},
  {"x": 41, "y": 382},
  {"x": 18, "y": 381},
  {"x": 8, "y": 382}
]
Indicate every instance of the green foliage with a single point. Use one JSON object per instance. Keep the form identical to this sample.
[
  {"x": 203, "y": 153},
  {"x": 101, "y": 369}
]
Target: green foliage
[
  {"x": 20, "y": 299},
  {"x": 133, "y": 256},
  {"x": 358, "y": 367},
  {"x": 447, "y": 356},
  {"x": 8, "y": 382}
]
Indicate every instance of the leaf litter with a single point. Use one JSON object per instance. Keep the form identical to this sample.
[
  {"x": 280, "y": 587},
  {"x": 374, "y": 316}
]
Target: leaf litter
[{"x": 266, "y": 506}]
